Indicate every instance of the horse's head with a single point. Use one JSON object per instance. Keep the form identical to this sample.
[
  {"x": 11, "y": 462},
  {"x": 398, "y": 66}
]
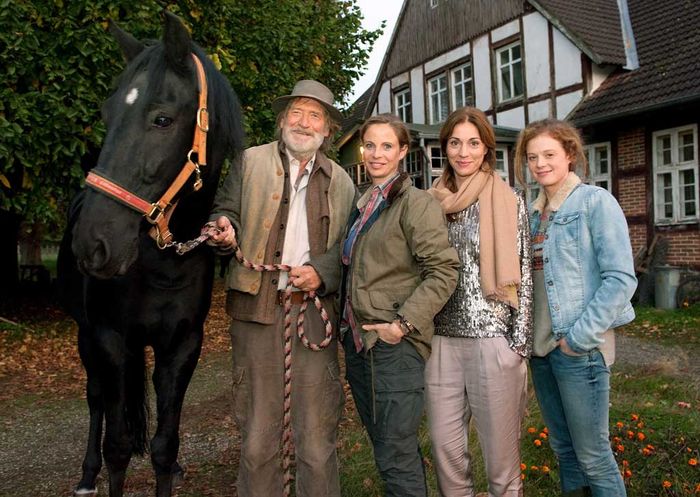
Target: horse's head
[{"x": 150, "y": 119}]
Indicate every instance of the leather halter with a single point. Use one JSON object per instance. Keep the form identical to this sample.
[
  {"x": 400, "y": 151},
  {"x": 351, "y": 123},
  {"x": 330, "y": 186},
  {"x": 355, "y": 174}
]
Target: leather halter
[{"x": 158, "y": 213}]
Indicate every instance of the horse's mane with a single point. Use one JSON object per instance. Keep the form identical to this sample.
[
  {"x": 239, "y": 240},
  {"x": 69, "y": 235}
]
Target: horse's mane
[{"x": 225, "y": 115}]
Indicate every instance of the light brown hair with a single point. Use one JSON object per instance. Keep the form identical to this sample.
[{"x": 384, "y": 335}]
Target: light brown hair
[
  {"x": 396, "y": 124},
  {"x": 486, "y": 134},
  {"x": 562, "y": 131}
]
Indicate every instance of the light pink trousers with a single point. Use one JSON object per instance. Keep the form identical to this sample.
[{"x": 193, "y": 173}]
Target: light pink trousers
[{"x": 483, "y": 379}]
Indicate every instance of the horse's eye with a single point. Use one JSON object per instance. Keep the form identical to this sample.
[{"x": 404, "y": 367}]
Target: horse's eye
[{"x": 162, "y": 121}]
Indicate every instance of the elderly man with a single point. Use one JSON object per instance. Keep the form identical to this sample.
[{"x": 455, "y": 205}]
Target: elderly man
[{"x": 287, "y": 203}]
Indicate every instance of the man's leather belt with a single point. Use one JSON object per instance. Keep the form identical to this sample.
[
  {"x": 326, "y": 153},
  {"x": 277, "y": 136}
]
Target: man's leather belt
[{"x": 297, "y": 297}]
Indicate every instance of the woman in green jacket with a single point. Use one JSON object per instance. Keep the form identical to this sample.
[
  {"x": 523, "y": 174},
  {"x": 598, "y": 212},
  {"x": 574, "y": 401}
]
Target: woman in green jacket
[{"x": 399, "y": 271}]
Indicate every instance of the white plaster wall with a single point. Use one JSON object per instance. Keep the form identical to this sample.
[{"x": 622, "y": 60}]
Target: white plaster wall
[
  {"x": 482, "y": 73},
  {"x": 384, "y": 98},
  {"x": 514, "y": 118},
  {"x": 567, "y": 61},
  {"x": 538, "y": 110},
  {"x": 598, "y": 75},
  {"x": 566, "y": 103},
  {"x": 505, "y": 31},
  {"x": 446, "y": 58},
  {"x": 417, "y": 95},
  {"x": 536, "y": 54},
  {"x": 399, "y": 80}
]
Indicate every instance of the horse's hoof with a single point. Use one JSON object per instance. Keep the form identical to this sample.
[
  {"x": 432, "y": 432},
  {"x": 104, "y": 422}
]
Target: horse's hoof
[
  {"x": 178, "y": 474},
  {"x": 85, "y": 492}
]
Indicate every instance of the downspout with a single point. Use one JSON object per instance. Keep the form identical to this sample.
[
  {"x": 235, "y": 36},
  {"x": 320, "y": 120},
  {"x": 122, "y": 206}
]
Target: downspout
[
  {"x": 426, "y": 164},
  {"x": 628, "y": 36}
]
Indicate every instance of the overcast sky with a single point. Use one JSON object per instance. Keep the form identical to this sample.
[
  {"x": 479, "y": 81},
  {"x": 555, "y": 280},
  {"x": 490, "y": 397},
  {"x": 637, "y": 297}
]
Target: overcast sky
[{"x": 374, "y": 12}]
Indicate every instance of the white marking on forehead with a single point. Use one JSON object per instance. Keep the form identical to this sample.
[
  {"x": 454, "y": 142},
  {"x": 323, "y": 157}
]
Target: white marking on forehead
[{"x": 132, "y": 96}]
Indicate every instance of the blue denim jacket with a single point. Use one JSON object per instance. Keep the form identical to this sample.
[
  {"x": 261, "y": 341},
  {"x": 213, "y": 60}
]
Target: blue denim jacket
[{"x": 588, "y": 267}]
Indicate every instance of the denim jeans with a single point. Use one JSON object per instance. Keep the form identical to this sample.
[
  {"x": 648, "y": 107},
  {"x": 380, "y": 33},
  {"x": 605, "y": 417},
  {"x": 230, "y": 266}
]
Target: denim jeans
[{"x": 573, "y": 393}]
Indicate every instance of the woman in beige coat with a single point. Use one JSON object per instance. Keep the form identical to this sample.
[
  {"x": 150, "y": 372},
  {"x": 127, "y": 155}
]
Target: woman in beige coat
[{"x": 399, "y": 272}]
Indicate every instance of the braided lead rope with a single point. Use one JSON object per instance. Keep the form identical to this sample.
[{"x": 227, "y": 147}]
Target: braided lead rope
[{"x": 287, "y": 440}]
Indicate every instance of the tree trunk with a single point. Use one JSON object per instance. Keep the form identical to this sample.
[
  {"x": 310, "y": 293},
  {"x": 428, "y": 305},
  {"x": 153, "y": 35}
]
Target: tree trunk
[
  {"x": 30, "y": 238},
  {"x": 9, "y": 269}
]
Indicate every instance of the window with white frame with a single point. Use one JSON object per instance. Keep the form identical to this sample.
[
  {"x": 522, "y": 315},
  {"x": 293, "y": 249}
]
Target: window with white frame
[
  {"x": 675, "y": 162},
  {"x": 362, "y": 176},
  {"x": 438, "y": 99},
  {"x": 598, "y": 155},
  {"x": 502, "y": 163},
  {"x": 402, "y": 103},
  {"x": 413, "y": 160},
  {"x": 462, "y": 93},
  {"x": 510, "y": 72},
  {"x": 436, "y": 161},
  {"x": 433, "y": 4}
]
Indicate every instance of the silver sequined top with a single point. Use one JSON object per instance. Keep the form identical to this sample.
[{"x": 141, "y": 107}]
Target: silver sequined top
[{"x": 468, "y": 313}]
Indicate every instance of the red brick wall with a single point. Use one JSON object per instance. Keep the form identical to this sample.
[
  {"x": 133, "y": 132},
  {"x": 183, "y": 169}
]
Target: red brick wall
[
  {"x": 630, "y": 149},
  {"x": 638, "y": 236},
  {"x": 683, "y": 248},
  {"x": 631, "y": 193}
]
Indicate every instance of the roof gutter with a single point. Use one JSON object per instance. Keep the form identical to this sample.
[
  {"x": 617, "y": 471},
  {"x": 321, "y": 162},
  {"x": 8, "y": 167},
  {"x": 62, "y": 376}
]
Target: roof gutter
[
  {"x": 628, "y": 36},
  {"x": 613, "y": 116}
]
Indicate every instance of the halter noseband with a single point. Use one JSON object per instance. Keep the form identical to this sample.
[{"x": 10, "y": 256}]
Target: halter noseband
[{"x": 158, "y": 213}]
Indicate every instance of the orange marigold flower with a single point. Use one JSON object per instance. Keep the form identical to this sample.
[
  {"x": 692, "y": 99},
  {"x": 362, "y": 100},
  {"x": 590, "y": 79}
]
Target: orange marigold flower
[
  {"x": 618, "y": 447},
  {"x": 697, "y": 488},
  {"x": 693, "y": 462},
  {"x": 666, "y": 484},
  {"x": 651, "y": 447},
  {"x": 619, "y": 424},
  {"x": 522, "y": 466},
  {"x": 625, "y": 463},
  {"x": 534, "y": 468},
  {"x": 630, "y": 434},
  {"x": 522, "y": 476},
  {"x": 545, "y": 430},
  {"x": 532, "y": 429},
  {"x": 545, "y": 469},
  {"x": 646, "y": 452},
  {"x": 627, "y": 474},
  {"x": 617, "y": 440},
  {"x": 641, "y": 436},
  {"x": 640, "y": 425},
  {"x": 543, "y": 436},
  {"x": 537, "y": 442},
  {"x": 634, "y": 417}
]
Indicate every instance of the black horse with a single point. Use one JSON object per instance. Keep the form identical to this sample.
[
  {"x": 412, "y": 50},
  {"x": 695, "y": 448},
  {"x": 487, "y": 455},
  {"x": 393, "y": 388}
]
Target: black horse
[{"x": 129, "y": 293}]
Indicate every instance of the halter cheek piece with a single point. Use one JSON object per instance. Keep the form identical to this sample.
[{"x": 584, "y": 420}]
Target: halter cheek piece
[{"x": 158, "y": 213}]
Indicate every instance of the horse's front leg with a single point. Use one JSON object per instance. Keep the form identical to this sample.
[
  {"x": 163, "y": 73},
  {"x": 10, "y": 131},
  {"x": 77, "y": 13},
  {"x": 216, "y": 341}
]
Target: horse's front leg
[
  {"x": 123, "y": 393},
  {"x": 92, "y": 463},
  {"x": 171, "y": 376}
]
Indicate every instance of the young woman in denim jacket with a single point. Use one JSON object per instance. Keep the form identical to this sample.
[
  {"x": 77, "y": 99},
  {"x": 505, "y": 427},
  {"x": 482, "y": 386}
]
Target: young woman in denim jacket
[{"x": 583, "y": 277}]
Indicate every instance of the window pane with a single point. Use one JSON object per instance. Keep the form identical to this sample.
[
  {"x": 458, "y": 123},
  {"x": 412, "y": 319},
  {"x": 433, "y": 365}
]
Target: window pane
[
  {"x": 688, "y": 192},
  {"x": 664, "y": 195},
  {"x": 518, "y": 79},
  {"x": 601, "y": 160},
  {"x": 686, "y": 148},
  {"x": 505, "y": 57},
  {"x": 602, "y": 184},
  {"x": 663, "y": 150},
  {"x": 516, "y": 52},
  {"x": 505, "y": 83}
]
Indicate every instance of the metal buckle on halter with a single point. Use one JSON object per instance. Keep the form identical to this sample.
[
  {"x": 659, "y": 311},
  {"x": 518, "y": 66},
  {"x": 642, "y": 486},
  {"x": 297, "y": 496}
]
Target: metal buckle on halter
[
  {"x": 203, "y": 119},
  {"x": 155, "y": 215},
  {"x": 197, "y": 172}
]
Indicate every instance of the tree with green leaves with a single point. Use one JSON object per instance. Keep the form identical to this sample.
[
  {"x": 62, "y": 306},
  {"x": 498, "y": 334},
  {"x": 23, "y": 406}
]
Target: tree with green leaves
[{"x": 59, "y": 63}]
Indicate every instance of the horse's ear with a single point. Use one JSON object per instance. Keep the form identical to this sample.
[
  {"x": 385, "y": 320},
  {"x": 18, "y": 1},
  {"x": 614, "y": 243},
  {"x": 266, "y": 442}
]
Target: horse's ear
[
  {"x": 176, "y": 39},
  {"x": 130, "y": 46}
]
